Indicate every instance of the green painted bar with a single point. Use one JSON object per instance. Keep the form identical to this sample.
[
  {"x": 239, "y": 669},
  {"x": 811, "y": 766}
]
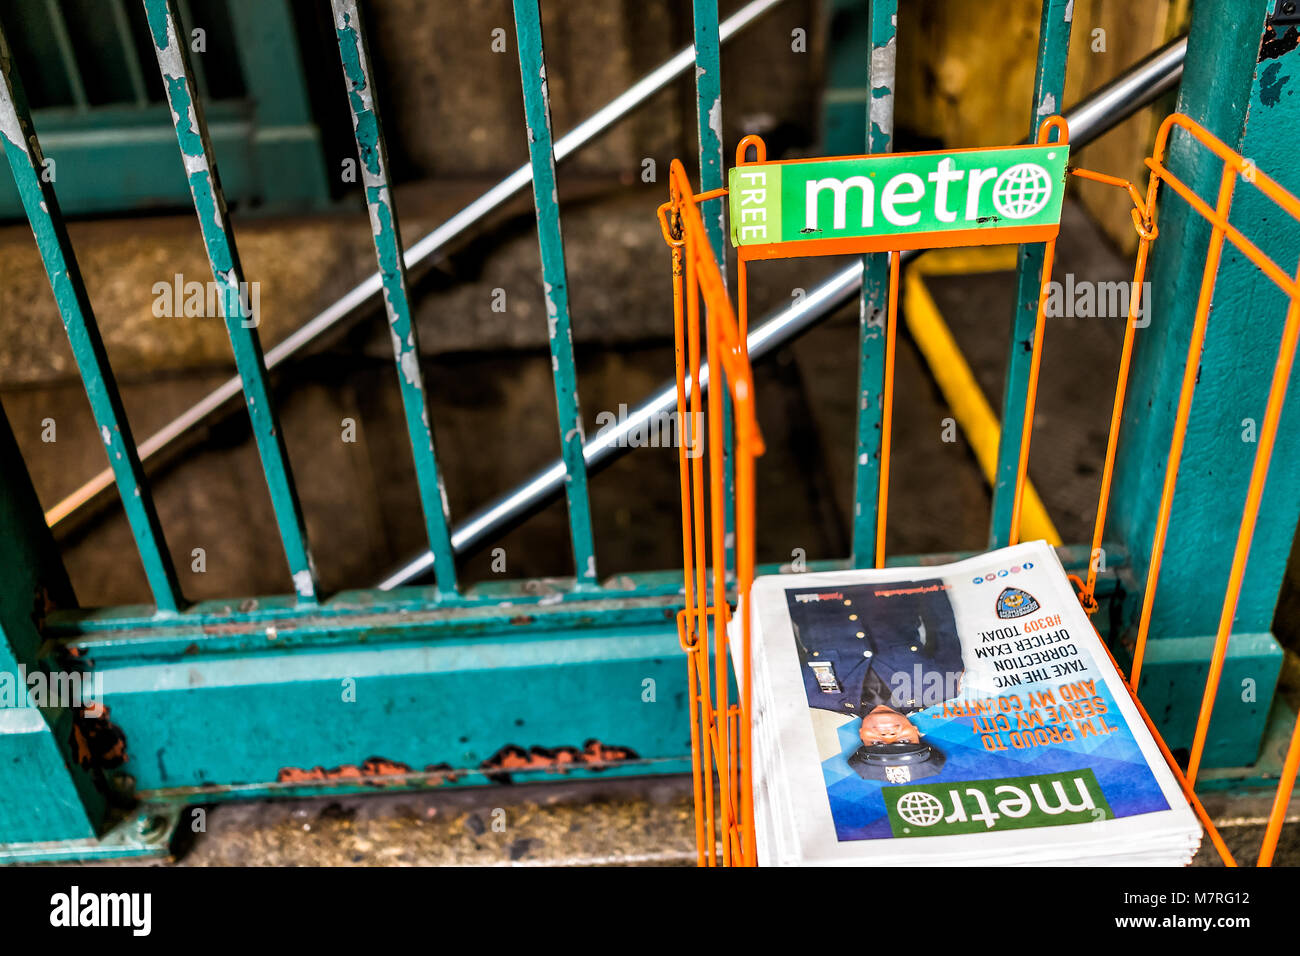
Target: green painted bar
[
  {"x": 541, "y": 153},
  {"x": 874, "y": 300},
  {"x": 46, "y": 795},
  {"x": 434, "y": 689},
  {"x": 118, "y": 157},
  {"x": 238, "y": 624},
  {"x": 255, "y": 723},
  {"x": 1049, "y": 90},
  {"x": 42, "y": 207},
  {"x": 1235, "y": 85},
  {"x": 708, "y": 116},
  {"x": 355, "y": 54},
  {"x": 223, "y": 255}
]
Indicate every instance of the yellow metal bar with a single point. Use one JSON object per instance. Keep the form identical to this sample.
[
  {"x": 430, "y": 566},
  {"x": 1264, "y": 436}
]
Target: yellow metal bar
[
  {"x": 953, "y": 375},
  {"x": 966, "y": 260}
]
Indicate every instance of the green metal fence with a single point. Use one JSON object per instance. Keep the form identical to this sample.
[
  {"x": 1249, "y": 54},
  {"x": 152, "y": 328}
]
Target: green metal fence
[
  {"x": 89, "y": 73},
  {"x": 405, "y": 684}
]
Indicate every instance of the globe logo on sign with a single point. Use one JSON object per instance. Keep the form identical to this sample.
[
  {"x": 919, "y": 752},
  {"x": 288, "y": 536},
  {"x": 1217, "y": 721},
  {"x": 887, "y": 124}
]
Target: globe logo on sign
[
  {"x": 1022, "y": 190},
  {"x": 919, "y": 808}
]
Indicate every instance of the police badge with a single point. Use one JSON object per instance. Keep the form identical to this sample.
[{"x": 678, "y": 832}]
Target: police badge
[
  {"x": 897, "y": 763},
  {"x": 1013, "y": 602}
]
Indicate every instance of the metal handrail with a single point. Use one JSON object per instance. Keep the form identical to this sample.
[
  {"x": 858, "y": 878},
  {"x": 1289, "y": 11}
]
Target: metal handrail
[
  {"x": 1104, "y": 109},
  {"x": 349, "y": 305}
]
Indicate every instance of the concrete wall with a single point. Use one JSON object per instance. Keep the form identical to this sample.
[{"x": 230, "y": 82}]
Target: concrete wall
[{"x": 455, "y": 107}]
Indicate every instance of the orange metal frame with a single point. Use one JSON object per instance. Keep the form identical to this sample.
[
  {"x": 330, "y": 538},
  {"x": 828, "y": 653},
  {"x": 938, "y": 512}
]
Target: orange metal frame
[
  {"x": 720, "y": 734},
  {"x": 720, "y": 729}
]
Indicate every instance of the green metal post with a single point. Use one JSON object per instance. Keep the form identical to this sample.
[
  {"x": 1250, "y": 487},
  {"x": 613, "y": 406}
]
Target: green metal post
[
  {"x": 875, "y": 294},
  {"x": 1238, "y": 83},
  {"x": 1049, "y": 90},
  {"x": 44, "y": 794},
  {"x": 708, "y": 116},
  {"x": 708, "y": 120},
  {"x": 223, "y": 255},
  {"x": 355, "y": 53},
  {"x": 42, "y": 206},
  {"x": 541, "y": 152}
]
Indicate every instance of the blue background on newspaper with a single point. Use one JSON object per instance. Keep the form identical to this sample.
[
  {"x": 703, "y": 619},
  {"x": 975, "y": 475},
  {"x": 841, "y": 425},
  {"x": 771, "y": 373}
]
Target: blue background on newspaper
[{"x": 858, "y": 806}]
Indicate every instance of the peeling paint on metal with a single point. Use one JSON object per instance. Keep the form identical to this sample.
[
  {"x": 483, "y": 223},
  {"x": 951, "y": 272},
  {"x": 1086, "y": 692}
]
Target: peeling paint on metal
[
  {"x": 22, "y": 148},
  {"x": 373, "y": 771},
  {"x": 537, "y": 112},
  {"x": 594, "y": 755},
  {"x": 10, "y": 128},
  {"x": 881, "y": 105},
  {"x": 209, "y": 205},
  {"x": 411, "y": 370},
  {"x": 386, "y": 236},
  {"x": 1049, "y": 88},
  {"x": 1272, "y": 46},
  {"x": 881, "y": 78}
]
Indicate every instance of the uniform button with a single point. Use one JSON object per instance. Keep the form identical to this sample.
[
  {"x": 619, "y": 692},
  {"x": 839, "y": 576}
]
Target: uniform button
[
  {"x": 849, "y": 706},
  {"x": 866, "y": 653},
  {"x": 913, "y": 647},
  {"x": 847, "y": 603},
  {"x": 853, "y": 617},
  {"x": 860, "y": 635},
  {"x": 817, "y": 653}
]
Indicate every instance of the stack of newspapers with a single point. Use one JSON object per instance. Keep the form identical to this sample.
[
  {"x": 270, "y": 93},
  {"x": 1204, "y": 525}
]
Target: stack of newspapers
[{"x": 957, "y": 714}]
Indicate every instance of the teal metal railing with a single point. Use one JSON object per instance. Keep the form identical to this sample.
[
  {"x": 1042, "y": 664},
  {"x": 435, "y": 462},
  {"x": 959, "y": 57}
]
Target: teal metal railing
[
  {"x": 561, "y": 653},
  {"x": 183, "y": 93},
  {"x": 88, "y": 70},
  {"x": 882, "y": 55},
  {"x": 392, "y": 268},
  {"x": 228, "y": 274},
  {"x": 42, "y": 206},
  {"x": 496, "y": 516},
  {"x": 1049, "y": 93},
  {"x": 555, "y": 283}
]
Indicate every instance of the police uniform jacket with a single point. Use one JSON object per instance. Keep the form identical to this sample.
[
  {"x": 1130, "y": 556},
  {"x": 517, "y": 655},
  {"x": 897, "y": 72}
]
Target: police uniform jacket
[{"x": 873, "y": 659}]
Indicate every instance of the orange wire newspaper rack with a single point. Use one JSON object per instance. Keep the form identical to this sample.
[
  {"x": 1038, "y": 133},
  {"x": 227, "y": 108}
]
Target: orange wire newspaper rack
[{"x": 720, "y": 728}]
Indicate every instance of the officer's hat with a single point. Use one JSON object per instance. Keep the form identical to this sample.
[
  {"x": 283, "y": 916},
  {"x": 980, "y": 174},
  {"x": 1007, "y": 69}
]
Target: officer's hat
[{"x": 897, "y": 763}]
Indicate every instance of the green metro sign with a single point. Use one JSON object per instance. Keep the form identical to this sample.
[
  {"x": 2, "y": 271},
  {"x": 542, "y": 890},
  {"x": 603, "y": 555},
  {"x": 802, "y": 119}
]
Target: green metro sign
[{"x": 961, "y": 197}]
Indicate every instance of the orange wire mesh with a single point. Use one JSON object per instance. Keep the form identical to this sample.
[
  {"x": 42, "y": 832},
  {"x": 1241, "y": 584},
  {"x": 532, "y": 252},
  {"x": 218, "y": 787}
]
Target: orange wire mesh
[{"x": 720, "y": 730}]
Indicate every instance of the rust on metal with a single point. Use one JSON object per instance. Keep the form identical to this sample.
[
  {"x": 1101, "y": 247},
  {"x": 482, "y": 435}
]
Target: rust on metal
[
  {"x": 97, "y": 743},
  {"x": 373, "y": 771},
  {"x": 594, "y": 755}
]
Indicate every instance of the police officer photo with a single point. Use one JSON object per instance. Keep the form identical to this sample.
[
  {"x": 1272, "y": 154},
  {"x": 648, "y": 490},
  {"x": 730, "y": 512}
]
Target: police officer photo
[{"x": 878, "y": 654}]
